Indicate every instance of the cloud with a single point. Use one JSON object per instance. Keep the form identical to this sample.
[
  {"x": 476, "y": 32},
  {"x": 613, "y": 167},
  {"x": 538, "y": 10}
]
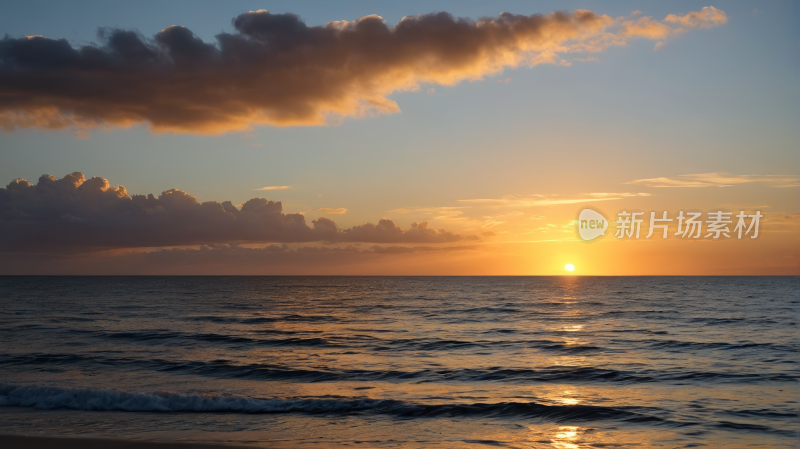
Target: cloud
[
  {"x": 707, "y": 17},
  {"x": 332, "y": 210},
  {"x": 552, "y": 227},
  {"x": 418, "y": 249},
  {"x": 275, "y": 188},
  {"x": 387, "y": 232},
  {"x": 76, "y": 214},
  {"x": 505, "y": 81},
  {"x": 646, "y": 27},
  {"x": 549, "y": 200},
  {"x": 235, "y": 259},
  {"x": 275, "y": 70},
  {"x": 717, "y": 180},
  {"x": 439, "y": 213}
]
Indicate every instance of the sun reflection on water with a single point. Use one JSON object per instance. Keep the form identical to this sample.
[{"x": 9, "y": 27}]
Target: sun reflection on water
[
  {"x": 568, "y": 398},
  {"x": 566, "y": 437}
]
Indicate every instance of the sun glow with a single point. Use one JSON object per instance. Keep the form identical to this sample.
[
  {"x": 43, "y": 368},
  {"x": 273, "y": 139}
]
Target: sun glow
[{"x": 569, "y": 267}]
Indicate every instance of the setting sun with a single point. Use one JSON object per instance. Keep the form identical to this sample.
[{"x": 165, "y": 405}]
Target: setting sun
[{"x": 569, "y": 267}]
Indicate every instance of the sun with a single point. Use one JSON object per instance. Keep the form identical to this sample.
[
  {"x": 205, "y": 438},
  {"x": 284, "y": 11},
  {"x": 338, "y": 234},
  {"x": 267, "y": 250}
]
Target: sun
[{"x": 569, "y": 267}]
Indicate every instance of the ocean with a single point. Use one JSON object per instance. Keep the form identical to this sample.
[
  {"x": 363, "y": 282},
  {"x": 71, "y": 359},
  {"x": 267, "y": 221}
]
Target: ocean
[{"x": 412, "y": 362}]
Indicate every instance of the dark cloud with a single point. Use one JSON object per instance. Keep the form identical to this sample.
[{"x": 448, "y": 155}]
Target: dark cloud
[
  {"x": 76, "y": 214},
  {"x": 274, "y": 69}
]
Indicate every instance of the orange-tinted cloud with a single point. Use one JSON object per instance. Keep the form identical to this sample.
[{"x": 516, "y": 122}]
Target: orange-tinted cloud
[
  {"x": 275, "y": 70},
  {"x": 76, "y": 214},
  {"x": 550, "y": 200},
  {"x": 333, "y": 210},
  {"x": 718, "y": 180},
  {"x": 646, "y": 27},
  {"x": 437, "y": 212},
  {"x": 707, "y": 17},
  {"x": 274, "y": 188}
]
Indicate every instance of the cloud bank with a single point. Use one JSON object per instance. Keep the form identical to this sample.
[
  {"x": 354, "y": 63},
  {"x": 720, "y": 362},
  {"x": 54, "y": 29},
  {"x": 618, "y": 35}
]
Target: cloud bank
[
  {"x": 233, "y": 259},
  {"x": 276, "y": 70},
  {"x": 78, "y": 214}
]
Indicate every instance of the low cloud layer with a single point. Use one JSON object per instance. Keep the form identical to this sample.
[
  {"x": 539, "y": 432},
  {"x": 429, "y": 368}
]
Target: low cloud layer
[
  {"x": 76, "y": 214},
  {"x": 276, "y": 70},
  {"x": 718, "y": 180},
  {"x": 233, "y": 259}
]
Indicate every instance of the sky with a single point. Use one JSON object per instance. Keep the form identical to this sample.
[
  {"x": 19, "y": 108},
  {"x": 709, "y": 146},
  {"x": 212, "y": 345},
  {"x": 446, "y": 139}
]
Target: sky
[{"x": 395, "y": 138}]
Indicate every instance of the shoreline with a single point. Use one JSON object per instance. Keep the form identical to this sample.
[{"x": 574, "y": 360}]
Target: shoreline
[{"x": 61, "y": 442}]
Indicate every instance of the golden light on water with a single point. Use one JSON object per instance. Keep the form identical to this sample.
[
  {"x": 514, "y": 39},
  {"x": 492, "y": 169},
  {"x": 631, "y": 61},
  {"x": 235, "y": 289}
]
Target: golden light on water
[
  {"x": 566, "y": 438},
  {"x": 569, "y": 267}
]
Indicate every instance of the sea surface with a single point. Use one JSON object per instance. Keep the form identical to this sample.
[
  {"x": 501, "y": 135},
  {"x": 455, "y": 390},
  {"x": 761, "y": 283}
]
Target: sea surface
[{"x": 412, "y": 362}]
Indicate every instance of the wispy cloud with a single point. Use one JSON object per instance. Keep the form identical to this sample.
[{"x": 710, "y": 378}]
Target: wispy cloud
[
  {"x": 332, "y": 210},
  {"x": 551, "y": 227},
  {"x": 437, "y": 212},
  {"x": 646, "y": 26},
  {"x": 707, "y": 17},
  {"x": 549, "y": 200},
  {"x": 274, "y": 188},
  {"x": 718, "y": 180}
]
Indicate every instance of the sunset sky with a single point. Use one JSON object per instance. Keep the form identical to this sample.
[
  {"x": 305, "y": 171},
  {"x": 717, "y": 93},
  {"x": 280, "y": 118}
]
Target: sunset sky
[{"x": 424, "y": 138}]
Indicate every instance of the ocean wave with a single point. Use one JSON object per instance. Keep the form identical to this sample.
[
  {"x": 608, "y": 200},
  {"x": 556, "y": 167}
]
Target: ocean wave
[
  {"x": 261, "y": 320},
  {"x": 359, "y": 341},
  {"x": 164, "y": 336},
  {"x": 52, "y": 398},
  {"x": 716, "y": 346},
  {"x": 262, "y": 371}
]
